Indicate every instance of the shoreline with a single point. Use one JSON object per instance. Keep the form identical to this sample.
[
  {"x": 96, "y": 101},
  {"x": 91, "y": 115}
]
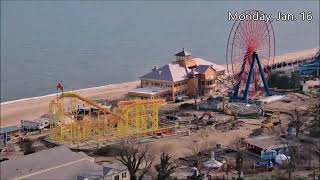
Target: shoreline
[
  {"x": 54, "y": 94},
  {"x": 12, "y": 112}
]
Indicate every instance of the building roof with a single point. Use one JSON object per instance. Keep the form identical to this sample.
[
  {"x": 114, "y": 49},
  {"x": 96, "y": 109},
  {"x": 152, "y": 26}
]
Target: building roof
[
  {"x": 9, "y": 129},
  {"x": 215, "y": 66},
  {"x": 266, "y": 142},
  {"x": 59, "y": 162},
  {"x": 174, "y": 72},
  {"x": 183, "y": 53},
  {"x": 114, "y": 168},
  {"x": 201, "y": 69},
  {"x": 165, "y": 73}
]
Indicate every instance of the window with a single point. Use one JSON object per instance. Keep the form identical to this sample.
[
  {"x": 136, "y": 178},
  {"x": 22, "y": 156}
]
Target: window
[
  {"x": 124, "y": 175},
  {"x": 116, "y": 177}
]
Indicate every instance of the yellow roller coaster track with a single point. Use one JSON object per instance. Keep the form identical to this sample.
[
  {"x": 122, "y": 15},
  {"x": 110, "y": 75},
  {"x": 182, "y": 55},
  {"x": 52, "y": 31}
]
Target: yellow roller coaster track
[{"x": 132, "y": 118}]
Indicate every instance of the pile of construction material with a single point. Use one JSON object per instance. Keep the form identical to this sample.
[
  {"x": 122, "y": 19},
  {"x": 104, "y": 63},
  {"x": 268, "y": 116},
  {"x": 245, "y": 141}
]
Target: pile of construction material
[
  {"x": 269, "y": 99},
  {"x": 244, "y": 109}
]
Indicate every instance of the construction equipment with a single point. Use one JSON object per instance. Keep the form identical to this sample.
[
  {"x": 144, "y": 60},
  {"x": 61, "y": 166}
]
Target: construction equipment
[
  {"x": 205, "y": 114},
  {"x": 81, "y": 119},
  {"x": 271, "y": 121},
  {"x": 226, "y": 109},
  {"x": 202, "y": 121}
]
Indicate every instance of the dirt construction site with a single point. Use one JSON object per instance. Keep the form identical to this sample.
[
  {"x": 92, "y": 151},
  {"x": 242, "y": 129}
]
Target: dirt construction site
[
  {"x": 226, "y": 129},
  {"x": 202, "y": 131},
  {"x": 187, "y": 130}
]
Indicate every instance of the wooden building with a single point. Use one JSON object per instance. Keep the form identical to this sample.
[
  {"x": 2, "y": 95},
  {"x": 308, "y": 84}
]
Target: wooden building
[{"x": 186, "y": 75}]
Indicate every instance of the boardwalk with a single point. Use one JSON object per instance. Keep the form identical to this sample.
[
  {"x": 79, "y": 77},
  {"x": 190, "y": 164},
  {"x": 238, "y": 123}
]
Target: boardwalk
[
  {"x": 291, "y": 59},
  {"x": 295, "y": 58}
]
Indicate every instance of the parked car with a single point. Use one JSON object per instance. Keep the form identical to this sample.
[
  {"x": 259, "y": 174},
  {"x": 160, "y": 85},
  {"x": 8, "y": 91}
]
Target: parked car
[{"x": 181, "y": 98}]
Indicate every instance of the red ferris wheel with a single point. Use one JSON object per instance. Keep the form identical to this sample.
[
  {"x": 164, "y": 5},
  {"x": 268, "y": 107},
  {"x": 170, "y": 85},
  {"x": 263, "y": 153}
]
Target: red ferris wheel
[{"x": 250, "y": 54}]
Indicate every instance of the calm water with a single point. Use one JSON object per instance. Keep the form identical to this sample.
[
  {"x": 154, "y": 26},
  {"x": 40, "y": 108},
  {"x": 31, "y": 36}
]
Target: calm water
[{"x": 88, "y": 44}]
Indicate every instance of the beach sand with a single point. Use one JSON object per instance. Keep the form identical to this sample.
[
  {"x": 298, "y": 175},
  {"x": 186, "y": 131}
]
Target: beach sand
[{"x": 13, "y": 112}]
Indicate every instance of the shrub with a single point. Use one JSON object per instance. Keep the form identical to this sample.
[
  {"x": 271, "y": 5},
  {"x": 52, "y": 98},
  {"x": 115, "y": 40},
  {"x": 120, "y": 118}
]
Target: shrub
[{"x": 27, "y": 146}]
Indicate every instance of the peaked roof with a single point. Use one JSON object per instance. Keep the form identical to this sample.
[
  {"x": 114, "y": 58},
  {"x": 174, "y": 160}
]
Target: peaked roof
[
  {"x": 174, "y": 72},
  {"x": 183, "y": 53},
  {"x": 215, "y": 66},
  {"x": 201, "y": 69},
  {"x": 169, "y": 72},
  {"x": 46, "y": 162}
]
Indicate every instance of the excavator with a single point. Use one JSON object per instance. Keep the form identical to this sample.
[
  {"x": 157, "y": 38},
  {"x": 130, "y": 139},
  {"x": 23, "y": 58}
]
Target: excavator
[
  {"x": 271, "y": 121},
  {"x": 201, "y": 119}
]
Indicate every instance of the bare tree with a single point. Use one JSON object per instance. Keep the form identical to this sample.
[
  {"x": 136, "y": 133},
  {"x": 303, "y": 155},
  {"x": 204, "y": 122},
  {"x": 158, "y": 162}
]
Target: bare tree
[
  {"x": 227, "y": 170},
  {"x": 198, "y": 151},
  {"x": 239, "y": 162},
  {"x": 315, "y": 122},
  {"x": 137, "y": 158},
  {"x": 195, "y": 99},
  {"x": 298, "y": 119},
  {"x": 293, "y": 151},
  {"x": 27, "y": 146},
  {"x": 166, "y": 167},
  {"x": 317, "y": 146}
]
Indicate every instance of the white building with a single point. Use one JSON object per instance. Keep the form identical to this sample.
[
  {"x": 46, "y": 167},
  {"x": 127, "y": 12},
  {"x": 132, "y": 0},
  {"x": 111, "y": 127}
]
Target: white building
[{"x": 37, "y": 124}]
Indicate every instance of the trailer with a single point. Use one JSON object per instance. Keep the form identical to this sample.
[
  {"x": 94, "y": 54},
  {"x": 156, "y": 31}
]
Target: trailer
[{"x": 38, "y": 124}]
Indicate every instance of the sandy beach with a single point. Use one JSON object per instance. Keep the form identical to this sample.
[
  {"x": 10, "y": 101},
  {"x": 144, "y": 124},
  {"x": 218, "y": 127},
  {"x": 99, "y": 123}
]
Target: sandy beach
[{"x": 31, "y": 108}]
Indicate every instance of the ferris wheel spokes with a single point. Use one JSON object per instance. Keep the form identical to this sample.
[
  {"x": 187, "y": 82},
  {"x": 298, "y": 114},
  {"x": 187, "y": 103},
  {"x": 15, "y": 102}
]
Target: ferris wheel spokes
[{"x": 250, "y": 42}]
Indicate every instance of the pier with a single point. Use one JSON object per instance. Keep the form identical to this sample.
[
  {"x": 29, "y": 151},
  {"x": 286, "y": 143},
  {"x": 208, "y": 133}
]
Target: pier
[{"x": 294, "y": 58}]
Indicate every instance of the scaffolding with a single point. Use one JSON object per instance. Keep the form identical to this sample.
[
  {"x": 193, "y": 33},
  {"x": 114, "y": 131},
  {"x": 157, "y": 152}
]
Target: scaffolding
[{"x": 75, "y": 119}]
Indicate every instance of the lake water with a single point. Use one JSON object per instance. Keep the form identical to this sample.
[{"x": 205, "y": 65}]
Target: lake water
[{"x": 94, "y": 43}]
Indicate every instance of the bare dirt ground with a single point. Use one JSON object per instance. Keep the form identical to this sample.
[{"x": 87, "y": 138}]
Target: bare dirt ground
[
  {"x": 176, "y": 146},
  {"x": 182, "y": 146},
  {"x": 12, "y": 113},
  {"x": 292, "y": 101}
]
